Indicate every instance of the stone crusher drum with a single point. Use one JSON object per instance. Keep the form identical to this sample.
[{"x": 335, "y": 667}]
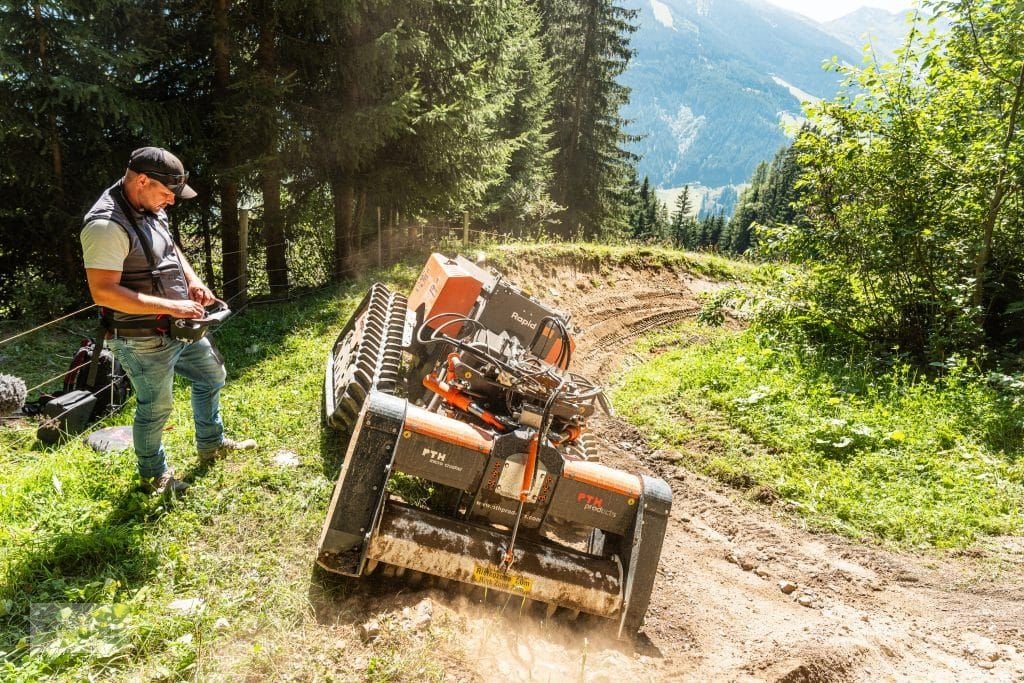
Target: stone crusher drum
[{"x": 463, "y": 393}]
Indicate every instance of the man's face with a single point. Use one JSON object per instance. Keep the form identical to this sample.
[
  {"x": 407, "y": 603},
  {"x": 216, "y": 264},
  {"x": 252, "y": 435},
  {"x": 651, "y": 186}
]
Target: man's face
[{"x": 153, "y": 195}]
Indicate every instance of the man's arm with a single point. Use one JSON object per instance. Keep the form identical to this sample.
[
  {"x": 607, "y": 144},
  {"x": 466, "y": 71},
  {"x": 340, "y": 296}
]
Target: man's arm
[
  {"x": 105, "y": 287},
  {"x": 197, "y": 291}
]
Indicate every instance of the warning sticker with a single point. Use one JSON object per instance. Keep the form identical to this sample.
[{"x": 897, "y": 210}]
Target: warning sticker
[{"x": 491, "y": 576}]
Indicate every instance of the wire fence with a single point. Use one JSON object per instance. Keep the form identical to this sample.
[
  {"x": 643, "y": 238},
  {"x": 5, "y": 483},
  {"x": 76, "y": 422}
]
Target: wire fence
[{"x": 310, "y": 267}]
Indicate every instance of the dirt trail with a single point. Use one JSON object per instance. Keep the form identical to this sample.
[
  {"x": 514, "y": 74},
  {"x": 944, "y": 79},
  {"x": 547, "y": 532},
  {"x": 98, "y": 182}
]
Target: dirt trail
[{"x": 719, "y": 613}]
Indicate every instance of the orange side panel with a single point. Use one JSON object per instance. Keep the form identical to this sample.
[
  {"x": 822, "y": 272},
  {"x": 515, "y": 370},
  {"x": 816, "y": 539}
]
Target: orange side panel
[
  {"x": 446, "y": 429},
  {"x": 603, "y": 477},
  {"x": 444, "y": 286},
  {"x": 553, "y": 338}
]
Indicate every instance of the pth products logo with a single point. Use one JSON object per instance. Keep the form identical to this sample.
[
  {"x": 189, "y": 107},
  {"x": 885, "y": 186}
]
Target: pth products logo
[
  {"x": 523, "y": 321},
  {"x": 594, "y": 503}
]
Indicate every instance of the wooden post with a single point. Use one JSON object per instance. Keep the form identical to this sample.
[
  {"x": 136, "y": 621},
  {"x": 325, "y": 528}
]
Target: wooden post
[
  {"x": 243, "y": 256},
  {"x": 380, "y": 242},
  {"x": 465, "y": 228}
]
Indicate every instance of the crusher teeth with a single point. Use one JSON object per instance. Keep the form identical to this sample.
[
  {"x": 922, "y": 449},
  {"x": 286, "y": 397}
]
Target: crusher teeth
[
  {"x": 504, "y": 602},
  {"x": 368, "y": 354}
]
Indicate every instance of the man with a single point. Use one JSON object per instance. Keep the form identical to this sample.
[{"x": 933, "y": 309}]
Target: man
[{"x": 142, "y": 281}]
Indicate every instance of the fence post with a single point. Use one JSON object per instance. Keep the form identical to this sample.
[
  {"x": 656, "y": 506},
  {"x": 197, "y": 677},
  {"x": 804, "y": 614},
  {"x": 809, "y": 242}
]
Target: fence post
[
  {"x": 465, "y": 228},
  {"x": 243, "y": 256},
  {"x": 380, "y": 242}
]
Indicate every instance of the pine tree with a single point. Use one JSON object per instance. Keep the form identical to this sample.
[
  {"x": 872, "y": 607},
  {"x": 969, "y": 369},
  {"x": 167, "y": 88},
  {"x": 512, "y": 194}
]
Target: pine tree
[
  {"x": 681, "y": 219},
  {"x": 642, "y": 220},
  {"x": 71, "y": 109},
  {"x": 587, "y": 44},
  {"x": 523, "y": 197}
]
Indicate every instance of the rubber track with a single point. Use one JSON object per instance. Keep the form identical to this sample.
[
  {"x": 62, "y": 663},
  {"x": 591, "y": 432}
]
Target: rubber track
[{"x": 368, "y": 357}]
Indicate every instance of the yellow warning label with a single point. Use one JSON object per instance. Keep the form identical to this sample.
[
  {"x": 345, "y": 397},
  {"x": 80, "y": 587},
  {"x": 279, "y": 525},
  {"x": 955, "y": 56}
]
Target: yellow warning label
[{"x": 491, "y": 576}]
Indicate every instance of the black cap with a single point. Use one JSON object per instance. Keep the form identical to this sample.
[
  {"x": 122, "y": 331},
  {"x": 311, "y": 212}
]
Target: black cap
[{"x": 164, "y": 167}]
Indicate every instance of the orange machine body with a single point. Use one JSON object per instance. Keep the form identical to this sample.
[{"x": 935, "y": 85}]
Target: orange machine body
[{"x": 446, "y": 286}]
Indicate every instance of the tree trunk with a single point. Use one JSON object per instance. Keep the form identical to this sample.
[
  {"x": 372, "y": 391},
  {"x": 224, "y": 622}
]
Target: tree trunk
[
  {"x": 360, "y": 220},
  {"x": 65, "y": 224},
  {"x": 570, "y": 174},
  {"x": 207, "y": 243},
  {"x": 230, "y": 244},
  {"x": 343, "y": 195},
  {"x": 995, "y": 202},
  {"x": 270, "y": 173},
  {"x": 273, "y": 231}
]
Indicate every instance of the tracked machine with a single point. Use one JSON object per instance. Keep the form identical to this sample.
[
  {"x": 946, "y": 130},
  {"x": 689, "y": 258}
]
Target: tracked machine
[{"x": 463, "y": 392}]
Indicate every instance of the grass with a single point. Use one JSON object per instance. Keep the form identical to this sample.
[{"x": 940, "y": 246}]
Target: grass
[
  {"x": 74, "y": 529},
  {"x": 893, "y": 456},
  {"x": 219, "y": 585}
]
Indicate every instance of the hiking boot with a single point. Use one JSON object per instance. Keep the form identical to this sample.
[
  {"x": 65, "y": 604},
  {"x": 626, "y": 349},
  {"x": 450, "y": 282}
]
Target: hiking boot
[
  {"x": 165, "y": 483},
  {"x": 226, "y": 446}
]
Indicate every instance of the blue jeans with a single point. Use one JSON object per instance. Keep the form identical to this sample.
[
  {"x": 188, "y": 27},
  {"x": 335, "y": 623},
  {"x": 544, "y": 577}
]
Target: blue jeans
[{"x": 150, "y": 363}]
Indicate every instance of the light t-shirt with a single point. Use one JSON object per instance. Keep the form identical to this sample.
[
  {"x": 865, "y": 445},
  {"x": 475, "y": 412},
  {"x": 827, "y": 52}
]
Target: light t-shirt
[{"x": 104, "y": 245}]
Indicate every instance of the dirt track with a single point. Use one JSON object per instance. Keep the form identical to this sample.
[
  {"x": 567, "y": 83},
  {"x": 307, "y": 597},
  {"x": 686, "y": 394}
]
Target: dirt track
[{"x": 857, "y": 612}]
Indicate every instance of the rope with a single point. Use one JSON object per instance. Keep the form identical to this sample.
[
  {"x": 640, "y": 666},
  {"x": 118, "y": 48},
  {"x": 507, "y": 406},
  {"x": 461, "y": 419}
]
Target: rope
[
  {"x": 237, "y": 294},
  {"x": 236, "y": 279},
  {"x": 269, "y": 246},
  {"x": 61, "y": 375},
  {"x": 39, "y": 327}
]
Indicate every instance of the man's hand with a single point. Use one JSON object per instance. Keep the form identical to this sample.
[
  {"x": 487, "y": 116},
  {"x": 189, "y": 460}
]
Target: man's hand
[
  {"x": 181, "y": 308},
  {"x": 200, "y": 293}
]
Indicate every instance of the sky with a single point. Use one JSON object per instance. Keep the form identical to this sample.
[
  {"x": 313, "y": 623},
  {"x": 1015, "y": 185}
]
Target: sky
[{"x": 821, "y": 10}]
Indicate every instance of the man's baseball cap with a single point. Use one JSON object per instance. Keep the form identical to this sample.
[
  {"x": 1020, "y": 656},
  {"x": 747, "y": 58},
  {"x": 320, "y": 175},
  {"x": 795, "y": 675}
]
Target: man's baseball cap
[{"x": 164, "y": 167}]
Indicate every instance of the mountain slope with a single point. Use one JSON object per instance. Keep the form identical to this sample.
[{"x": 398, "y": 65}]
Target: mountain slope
[
  {"x": 712, "y": 80},
  {"x": 883, "y": 30}
]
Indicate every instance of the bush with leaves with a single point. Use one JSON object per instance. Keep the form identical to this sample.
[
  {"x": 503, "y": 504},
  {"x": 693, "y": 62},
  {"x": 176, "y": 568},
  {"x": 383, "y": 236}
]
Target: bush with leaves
[{"x": 914, "y": 213}]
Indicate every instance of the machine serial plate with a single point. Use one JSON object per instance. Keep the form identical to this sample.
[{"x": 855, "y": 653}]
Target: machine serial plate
[{"x": 491, "y": 576}]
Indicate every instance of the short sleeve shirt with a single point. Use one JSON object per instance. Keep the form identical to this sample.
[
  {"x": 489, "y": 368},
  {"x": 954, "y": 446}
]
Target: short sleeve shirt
[{"x": 104, "y": 245}]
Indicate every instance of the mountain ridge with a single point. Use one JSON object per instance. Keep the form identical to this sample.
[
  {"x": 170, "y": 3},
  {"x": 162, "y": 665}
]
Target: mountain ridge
[{"x": 713, "y": 81}]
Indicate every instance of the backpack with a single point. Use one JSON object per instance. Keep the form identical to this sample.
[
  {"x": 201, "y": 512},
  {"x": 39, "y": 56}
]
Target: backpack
[{"x": 111, "y": 386}]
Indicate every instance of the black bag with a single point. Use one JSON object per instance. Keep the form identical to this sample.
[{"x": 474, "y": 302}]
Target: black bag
[
  {"x": 66, "y": 415},
  {"x": 110, "y": 386}
]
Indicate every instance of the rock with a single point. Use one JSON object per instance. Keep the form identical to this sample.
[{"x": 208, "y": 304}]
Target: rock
[
  {"x": 423, "y": 615},
  {"x": 806, "y": 600},
  {"x": 110, "y": 439},
  {"x": 187, "y": 605},
  {"x": 737, "y": 558},
  {"x": 369, "y": 631},
  {"x": 762, "y": 572},
  {"x": 787, "y": 587},
  {"x": 221, "y": 624},
  {"x": 993, "y": 656},
  {"x": 984, "y": 664},
  {"x": 286, "y": 458}
]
